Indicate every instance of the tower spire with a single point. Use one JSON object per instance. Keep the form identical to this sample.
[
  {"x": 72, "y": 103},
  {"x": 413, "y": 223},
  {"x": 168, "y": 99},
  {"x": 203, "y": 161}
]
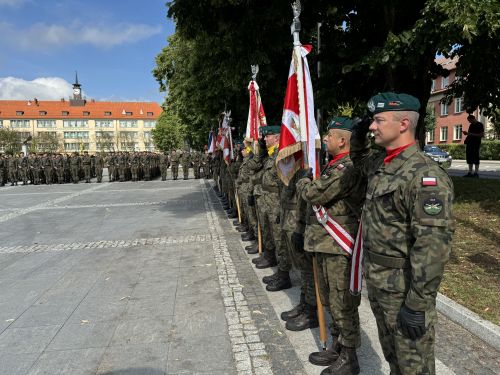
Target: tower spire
[{"x": 76, "y": 79}]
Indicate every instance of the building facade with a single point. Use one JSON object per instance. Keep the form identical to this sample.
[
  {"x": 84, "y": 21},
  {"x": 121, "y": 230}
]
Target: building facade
[
  {"x": 80, "y": 125},
  {"x": 451, "y": 119}
]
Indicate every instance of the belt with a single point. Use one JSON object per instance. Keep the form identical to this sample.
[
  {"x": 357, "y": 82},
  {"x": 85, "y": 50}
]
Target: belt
[
  {"x": 272, "y": 189},
  {"x": 387, "y": 261}
]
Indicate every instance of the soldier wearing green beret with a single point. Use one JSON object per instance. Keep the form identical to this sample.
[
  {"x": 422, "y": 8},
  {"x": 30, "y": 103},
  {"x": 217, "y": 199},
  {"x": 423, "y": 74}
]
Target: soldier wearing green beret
[
  {"x": 407, "y": 231},
  {"x": 338, "y": 196}
]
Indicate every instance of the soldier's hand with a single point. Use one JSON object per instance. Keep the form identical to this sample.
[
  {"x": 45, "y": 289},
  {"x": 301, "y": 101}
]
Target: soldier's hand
[
  {"x": 262, "y": 143},
  {"x": 278, "y": 219},
  {"x": 251, "y": 200},
  {"x": 361, "y": 125},
  {"x": 411, "y": 323},
  {"x": 298, "y": 241}
]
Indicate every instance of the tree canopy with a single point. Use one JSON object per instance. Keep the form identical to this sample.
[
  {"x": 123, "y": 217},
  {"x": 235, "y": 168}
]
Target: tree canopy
[{"x": 366, "y": 47}]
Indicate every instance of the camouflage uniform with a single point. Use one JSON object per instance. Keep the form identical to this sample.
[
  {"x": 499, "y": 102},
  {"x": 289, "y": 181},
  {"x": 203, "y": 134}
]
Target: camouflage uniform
[
  {"x": 23, "y": 169},
  {"x": 163, "y": 166},
  {"x": 75, "y": 163},
  {"x": 86, "y": 163},
  {"x": 174, "y": 159},
  {"x": 99, "y": 166},
  {"x": 186, "y": 163},
  {"x": 35, "y": 166},
  {"x": 59, "y": 168},
  {"x": 13, "y": 164},
  {"x": 47, "y": 168},
  {"x": 2, "y": 170},
  {"x": 196, "y": 164},
  {"x": 407, "y": 234}
]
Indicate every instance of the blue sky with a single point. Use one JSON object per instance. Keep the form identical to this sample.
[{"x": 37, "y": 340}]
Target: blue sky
[{"x": 111, "y": 43}]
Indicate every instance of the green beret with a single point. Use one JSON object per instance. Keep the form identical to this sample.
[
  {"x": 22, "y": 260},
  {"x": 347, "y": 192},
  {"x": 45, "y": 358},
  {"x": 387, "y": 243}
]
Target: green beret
[
  {"x": 342, "y": 123},
  {"x": 269, "y": 130},
  {"x": 390, "y": 101}
]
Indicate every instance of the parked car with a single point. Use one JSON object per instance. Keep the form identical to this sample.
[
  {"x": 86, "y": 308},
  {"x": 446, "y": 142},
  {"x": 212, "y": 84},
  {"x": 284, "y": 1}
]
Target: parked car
[{"x": 438, "y": 155}]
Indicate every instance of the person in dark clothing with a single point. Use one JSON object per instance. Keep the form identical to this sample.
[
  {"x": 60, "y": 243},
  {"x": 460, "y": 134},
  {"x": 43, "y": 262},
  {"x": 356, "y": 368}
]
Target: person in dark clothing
[{"x": 473, "y": 144}]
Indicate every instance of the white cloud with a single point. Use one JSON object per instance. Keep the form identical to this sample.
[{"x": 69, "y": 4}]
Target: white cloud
[
  {"x": 41, "y": 36},
  {"x": 45, "y": 88},
  {"x": 12, "y": 3}
]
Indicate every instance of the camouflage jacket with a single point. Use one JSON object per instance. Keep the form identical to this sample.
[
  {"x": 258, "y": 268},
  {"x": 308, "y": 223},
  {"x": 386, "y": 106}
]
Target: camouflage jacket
[
  {"x": 174, "y": 158},
  {"x": 340, "y": 190},
  {"x": 244, "y": 173},
  {"x": 407, "y": 223},
  {"x": 99, "y": 161},
  {"x": 186, "y": 158},
  {"x": 86, "y": 160},
  {"x": 270, "y": 179},
  {"x": 292, "y": 213}
]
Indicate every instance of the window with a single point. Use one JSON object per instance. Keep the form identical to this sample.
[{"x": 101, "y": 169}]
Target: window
[
  {"x": 104, "y": 124},
  {"x": 147, "y": 135},
  {"x": 129, "y": 146},
  {"x": 150, "y": 114},
  {"x": 107, "y": 113},
  {"x": 86, "y": 113},
  {"x": 42, "y": 113},
  {"x": 19, "y": 113},
  {"x": 445, "y": 81},
  {"x": 128, "y": 135},
  {"x": 1, "y": 124},
  {"x": 149, "y": 124},
  {"x": 52, "y": 134},
  {"x": 45, "y": 123},
  {"x": 444, "y": 109},
  {"x": 433, "y": 86},
  {"x": 149, "y": 146},
  {"x": 20, "y": 124},
  {"x": 128, "y": 123},
  {"x": 76, "y": 135},
  {"x": 430, "y": 136},
  {"x": 100, "y": 134},
  {"x": 457, "y": 132},
  {"x": 75, "y": 123},
  {"x": 443, "y": 135},
  {"x": 65, "y": 113},
  {"x": 23, "y": 135},
  {"x": 128, "y": 113},
  {"x": 459, "y": 105},
  {"x": 76, "y": 146}
]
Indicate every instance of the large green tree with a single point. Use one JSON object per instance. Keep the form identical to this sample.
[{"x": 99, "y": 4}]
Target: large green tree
[
  {"x": 366, "y": 47},
  {"x": 10, "y": 141},
  {"x": 169, "y": 133}
]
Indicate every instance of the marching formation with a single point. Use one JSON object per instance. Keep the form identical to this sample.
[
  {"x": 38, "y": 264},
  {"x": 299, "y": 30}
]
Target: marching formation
[
  {"x": 384, "y": 212},
  {"x": 50, "y": 169}
]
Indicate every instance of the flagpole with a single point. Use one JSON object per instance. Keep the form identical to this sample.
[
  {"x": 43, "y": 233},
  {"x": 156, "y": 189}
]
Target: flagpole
[{"x": 304, "y": 134}]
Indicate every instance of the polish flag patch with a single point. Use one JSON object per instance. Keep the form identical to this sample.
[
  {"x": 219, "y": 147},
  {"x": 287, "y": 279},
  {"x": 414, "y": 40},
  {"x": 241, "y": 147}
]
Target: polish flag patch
[{"x": 429, "y": 181}]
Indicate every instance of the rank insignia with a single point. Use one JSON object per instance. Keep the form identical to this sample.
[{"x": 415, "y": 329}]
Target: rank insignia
[{"x": 432, "y": 206}]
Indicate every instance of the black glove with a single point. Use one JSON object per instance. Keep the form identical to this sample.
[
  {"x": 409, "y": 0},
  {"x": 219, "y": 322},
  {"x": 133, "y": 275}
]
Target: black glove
[
  {"x": 251, "y": 200},
  {"x": 411, "y": 323},
  {"x": 278, "y": 219},
  {"x": 262, "y": 146},
  {"x": 303, "y": 173},
  {"x": 298, "y": 241},
  {"x": 360, "y": 126}
]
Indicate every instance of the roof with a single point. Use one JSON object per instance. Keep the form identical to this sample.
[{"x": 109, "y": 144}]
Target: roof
[
  {"x": 450, "y": 64},
  {"x": 34, "y": 109}
]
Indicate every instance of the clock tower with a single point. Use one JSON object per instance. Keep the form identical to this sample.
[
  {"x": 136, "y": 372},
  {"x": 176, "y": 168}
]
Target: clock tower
[{"x": 77, "y": 99}]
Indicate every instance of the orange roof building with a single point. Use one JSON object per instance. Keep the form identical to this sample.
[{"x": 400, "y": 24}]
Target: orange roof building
[{"x": 84, "y": 125}]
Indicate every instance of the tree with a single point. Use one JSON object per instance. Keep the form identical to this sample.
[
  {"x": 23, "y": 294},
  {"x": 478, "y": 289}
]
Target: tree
[
  {"x": 45, "y": 142},
  {"x": 430, "y": 118},
  {"x": 9, "y": 141},
  {"x": 366, "y": 47},
  {"x": 105, "y": 141},
  {"x": 169, "y": 133}
]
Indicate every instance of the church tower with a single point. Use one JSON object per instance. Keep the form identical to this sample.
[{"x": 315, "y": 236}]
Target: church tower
[{"x": 77, "y": 99}]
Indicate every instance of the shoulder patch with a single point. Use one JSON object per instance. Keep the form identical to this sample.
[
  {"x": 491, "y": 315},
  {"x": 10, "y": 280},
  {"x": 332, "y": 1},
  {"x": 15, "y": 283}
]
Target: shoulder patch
[
  {"x": 432, "y": 206},
  {"x": 340, "y": 166},
  {"x": 429, "y": 181}
]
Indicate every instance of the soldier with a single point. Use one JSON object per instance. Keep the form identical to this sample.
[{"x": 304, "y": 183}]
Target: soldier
[
  {"x": 13, "y": 165},
  {"x": 196, "y": 164},
  {"x": 174, "y": 159},
  {"x": 205, "y": 164},
  {"x": 186, "y": 163},
  {"x": 99, "y": 166},
  {"x": 47, "y": 166},
  {"x": 134, "y": 162},
  {"x": 67, "y": 168},
  {"x": 75, "y": 163},
  {"x": 337, "y": 196},
  {"x": 163, "y": 165},
  {"x": 86, "y": 164},
  {"x": 23, "y": 168},
  {"x": 59, "y": 168},
  {"x": 407, "y": 231},
  {"x": 2, "y": 170},
  {"x": 35, "y": 166},
  {"x": 110, "y": 162},
  {"x": 146, "y": 165}
]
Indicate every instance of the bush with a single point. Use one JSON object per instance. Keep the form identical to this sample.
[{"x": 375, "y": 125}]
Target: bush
[{"x": 490, "y": 150}]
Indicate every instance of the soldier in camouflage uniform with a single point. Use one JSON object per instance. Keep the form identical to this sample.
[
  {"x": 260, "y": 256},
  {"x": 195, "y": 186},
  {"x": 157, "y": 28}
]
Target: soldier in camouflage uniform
[
  {"x": 186, "y": 163},
  {"x": 110, "y": 162},
  {"x": 2, "y": 170},
  {"x": 75, "y": 164},
  {"x": 340, "y": 191},
  {"x": 196, "y": 164},
  {"x": 163, "y": 165},
  {"x": 174, "y": 159},
  {"x": 135, "y": 162},
  {"x": 13, "y": 165},
  {"x": 35, "y": 166},
  {"x": 23, "y": 168},
  {"x": 47, "y": 166},
  {"x": 249, "y": 221},
  {"x": 407, "y": 232},
  {"x": 59, "y": 168},
  {"x": 86, "y": 164},
  {"x": 99, "y": 166}
]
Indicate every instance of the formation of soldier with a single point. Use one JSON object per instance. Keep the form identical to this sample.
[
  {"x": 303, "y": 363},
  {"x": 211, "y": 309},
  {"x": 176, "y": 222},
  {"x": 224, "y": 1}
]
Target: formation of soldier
[
  {"x": 49, "y": 168},
  {"x": 397, "y": 200}
]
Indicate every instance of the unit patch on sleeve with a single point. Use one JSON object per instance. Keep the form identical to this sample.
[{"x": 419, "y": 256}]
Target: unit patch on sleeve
[
  {"x": 429, "y": 181},
  {"x": 432, "y": 206}
]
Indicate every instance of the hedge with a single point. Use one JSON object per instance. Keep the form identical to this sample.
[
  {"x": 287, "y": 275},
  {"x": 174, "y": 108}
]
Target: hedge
[{"x": 490, "y": 150}]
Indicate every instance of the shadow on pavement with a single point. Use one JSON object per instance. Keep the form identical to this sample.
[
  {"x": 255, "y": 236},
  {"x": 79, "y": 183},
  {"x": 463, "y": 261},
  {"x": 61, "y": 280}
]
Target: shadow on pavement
[{"x": 136, "y": 371}]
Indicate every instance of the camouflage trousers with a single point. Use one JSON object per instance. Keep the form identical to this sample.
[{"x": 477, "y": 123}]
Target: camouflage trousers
[
  {"x": 175, "y": 171},
  {"x": 163, "y": 170},
  {"x": 13, "y": 175},
  {"x": 268, "y": 246},
  {"x": 404, "y": 355},
  {"x": 74, "y": 174},
  {"x": 98, "y": 173},
  {"x": 302, "y": 261},
  {"x": 249, "y": 216},
  {"x": 23, "y": 174},
  {"x": 48, "y": 175},
  {"x": 269, "y": 215},
  {"x": 86, "y": 172},
  {"x": 60, "y": 174},
  {"x": 334, "y": 275},
  {"x": 185, "y": 170},
  {"x": 134, "y": 169}
]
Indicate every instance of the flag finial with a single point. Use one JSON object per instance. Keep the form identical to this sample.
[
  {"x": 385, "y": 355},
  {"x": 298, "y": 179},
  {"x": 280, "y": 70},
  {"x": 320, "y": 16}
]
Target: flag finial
[
  {"x": 295, "y": 27},
  {"x": 255, "y": 71}
]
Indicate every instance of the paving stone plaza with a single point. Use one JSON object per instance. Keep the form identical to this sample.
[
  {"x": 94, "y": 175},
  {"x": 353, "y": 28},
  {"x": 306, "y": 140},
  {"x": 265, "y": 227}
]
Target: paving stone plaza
[{"x": 151, "y": 278}]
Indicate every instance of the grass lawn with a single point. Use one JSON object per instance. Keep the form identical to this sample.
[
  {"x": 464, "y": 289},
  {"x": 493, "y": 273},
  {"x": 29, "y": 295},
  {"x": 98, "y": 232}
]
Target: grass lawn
[{"x": 472, "y": 276}]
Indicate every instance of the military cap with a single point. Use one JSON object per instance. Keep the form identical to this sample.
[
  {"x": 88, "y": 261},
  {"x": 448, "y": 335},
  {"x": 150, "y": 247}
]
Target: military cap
[
  {"x": 270, "y": 130},
  {"x": 390, "y": 101},
  {"x": 341, "y": 123}
]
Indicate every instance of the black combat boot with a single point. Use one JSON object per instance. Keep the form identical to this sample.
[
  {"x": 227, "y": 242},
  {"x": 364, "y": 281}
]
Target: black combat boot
[
  {"x": 242, "y": 228},
  {"x": 258, "y": 259},
  {"x": 249, "y": 236},
  {"x": 296, "y": 311},
  {"x": 236, "y": 223},
  {"x": 253, "y": 249},
  {"x": 346, "y": 364},
  {"x": 326, "y": 357},
  {"x": 232, "y": 214},
  {"x": 270, "y": 278},
  {"x": 267, "y": 262},
  {"x": 280, "y": 283},
  {"x": 307, "y": 319}
]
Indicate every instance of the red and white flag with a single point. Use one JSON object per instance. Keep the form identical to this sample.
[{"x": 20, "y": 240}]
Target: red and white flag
[
  {"x": 299, "y": 132},
  {"x": 256, "y": 115},
  {"x": 224, "y": 138}
]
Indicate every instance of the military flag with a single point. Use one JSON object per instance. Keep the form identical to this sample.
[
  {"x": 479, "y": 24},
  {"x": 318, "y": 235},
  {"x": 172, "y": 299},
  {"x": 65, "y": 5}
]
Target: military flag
[
  {"x": 211, "y": 142},
  {"x": 224, "y": 137},
  {"x": 299, "y": 132},
  {"x": 256, "y": 115}
]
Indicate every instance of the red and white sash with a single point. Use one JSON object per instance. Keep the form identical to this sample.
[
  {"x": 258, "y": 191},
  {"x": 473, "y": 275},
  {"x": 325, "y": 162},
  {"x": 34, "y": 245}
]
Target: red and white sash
[{"x": 353, "y": 247}]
